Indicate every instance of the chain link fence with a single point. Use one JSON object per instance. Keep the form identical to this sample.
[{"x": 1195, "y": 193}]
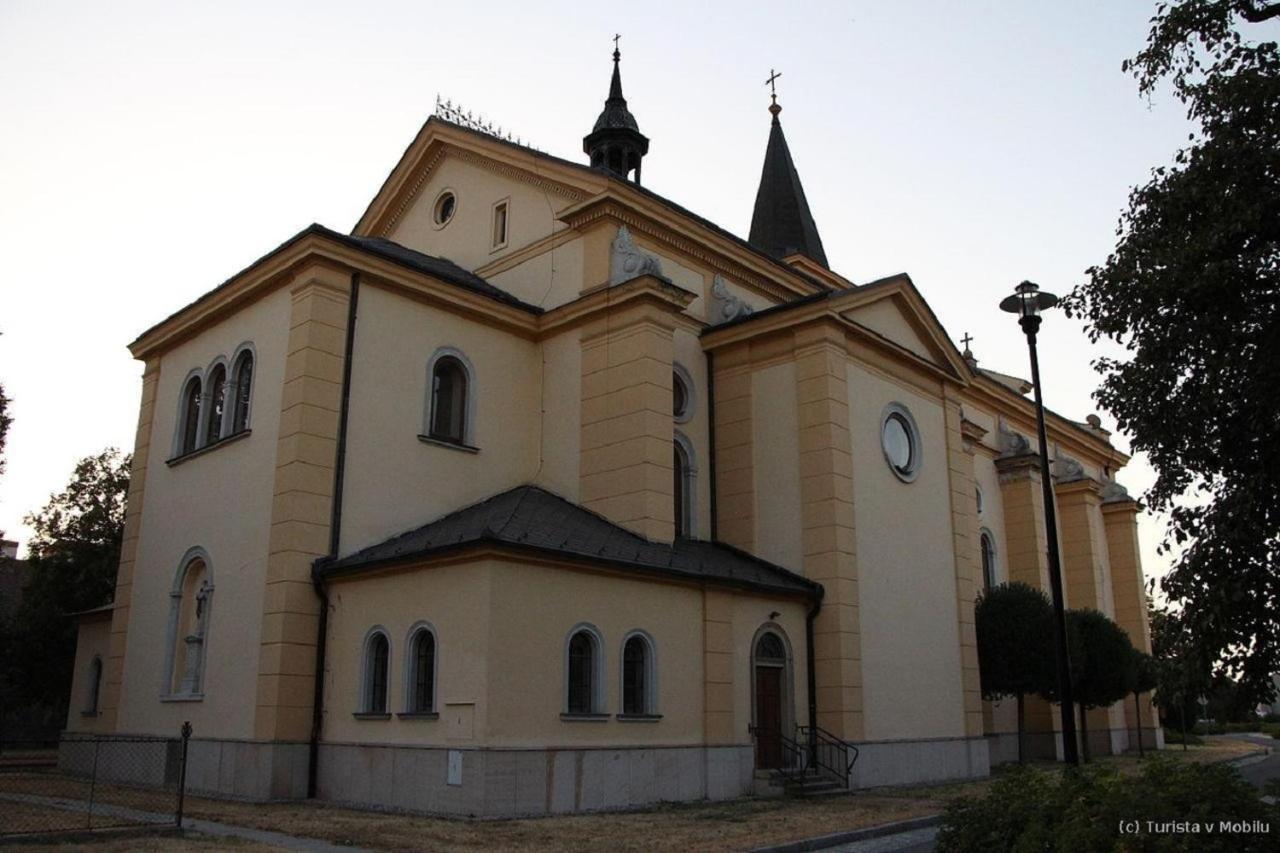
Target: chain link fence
[{"x": 84, "y": 782}]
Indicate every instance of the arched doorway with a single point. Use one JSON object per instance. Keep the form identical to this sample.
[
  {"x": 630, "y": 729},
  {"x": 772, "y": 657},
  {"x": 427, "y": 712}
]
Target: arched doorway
[{"x": 770, "y": 680}]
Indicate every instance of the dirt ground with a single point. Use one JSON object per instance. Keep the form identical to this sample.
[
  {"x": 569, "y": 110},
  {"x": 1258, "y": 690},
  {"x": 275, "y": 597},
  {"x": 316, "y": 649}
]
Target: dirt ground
[{"x": 736, "y": 825}]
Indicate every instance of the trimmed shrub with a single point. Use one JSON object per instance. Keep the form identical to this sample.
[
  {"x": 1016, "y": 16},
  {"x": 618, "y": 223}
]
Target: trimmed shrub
[
  {"x": 1098, "y": 809},
  {"x": 1175, "y": 736}
]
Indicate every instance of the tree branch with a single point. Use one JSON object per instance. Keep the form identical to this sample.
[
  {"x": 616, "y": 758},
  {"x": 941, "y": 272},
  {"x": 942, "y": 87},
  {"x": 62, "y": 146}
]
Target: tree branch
[{"x": 1255, "y": 13}]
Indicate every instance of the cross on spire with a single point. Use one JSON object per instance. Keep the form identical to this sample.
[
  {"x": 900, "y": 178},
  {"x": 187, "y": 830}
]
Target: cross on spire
[
  {"x": 966, "y": 340},
  {"x": 773, "y": 92},
  {"x": 616, "y": 53}
]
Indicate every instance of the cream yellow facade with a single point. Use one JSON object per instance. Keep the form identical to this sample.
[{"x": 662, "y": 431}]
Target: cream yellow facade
[{"x": 572, "y": 500}]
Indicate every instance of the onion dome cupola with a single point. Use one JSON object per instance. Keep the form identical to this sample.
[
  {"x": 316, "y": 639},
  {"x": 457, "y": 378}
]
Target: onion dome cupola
[
  {"x": 616, "y": 144},
  {"x": 781, "y": 224}
]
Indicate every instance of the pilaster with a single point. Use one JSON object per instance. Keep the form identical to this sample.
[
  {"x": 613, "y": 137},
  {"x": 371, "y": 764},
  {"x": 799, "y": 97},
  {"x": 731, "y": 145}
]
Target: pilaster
[
  {"x": 720, "y": 718},
  {"x": 964, "y": 533},
  {"x": 113, "y": 676},
  {"x": 1128, "y": 590},
  {"x": 826, "y": 497},
  {"x": 302, "y": 505},
  {"x": 735, "y": 449},
  {"x": 627, "y": 429}
]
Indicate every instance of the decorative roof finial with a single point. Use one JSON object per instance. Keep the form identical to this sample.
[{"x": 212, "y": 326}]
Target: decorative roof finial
[
  {"x": 617, "y": 54},
  {"x": 968, "y": 353},
  {"x": 773, "y": 92}
]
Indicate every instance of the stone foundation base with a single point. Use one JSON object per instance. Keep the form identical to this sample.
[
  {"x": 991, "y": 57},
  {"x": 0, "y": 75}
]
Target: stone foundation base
[
  {"x": 1047, "y": 746},
  {"x": 510, "y": 783},
  {"x": 906, "y": 762}
]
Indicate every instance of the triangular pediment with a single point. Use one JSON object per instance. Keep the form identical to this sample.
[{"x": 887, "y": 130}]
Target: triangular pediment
[{"x": 894, "y": 310}]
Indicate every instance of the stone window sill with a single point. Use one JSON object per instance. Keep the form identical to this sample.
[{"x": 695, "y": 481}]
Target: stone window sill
[
  {"x": 585, "y": 718},
  {"x": 200, "y": 451},
  {"x": 444, "y": 442},
  {"x": 371, "y": 715},
  {"x": 183, "y": 697},
  {"x": 638, "y": 718},
  {"x": 418, "y": 715}
]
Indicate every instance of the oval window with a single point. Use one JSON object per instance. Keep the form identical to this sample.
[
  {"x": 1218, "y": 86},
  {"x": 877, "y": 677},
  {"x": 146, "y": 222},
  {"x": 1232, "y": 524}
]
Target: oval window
[
  {"x": 900, "y": 442},
  {"x": 446, "y": 204}
]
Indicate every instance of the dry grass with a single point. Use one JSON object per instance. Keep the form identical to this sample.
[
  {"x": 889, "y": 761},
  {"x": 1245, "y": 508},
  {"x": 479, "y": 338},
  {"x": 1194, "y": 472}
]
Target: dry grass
[{"x": 130, "y": 843}]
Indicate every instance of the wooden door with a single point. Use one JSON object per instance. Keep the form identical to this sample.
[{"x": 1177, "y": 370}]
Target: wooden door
[{"x": 768, "y": 728}]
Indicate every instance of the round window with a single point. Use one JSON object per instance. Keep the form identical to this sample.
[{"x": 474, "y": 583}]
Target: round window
[
  {"x": 900, "y": 441},
  {"x": 446, "y": 204}
]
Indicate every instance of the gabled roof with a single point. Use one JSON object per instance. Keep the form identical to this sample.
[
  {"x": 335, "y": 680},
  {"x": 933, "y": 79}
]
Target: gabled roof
[
  {"x": 532, "y": 520},
  {"x": 781, "y": 223}
]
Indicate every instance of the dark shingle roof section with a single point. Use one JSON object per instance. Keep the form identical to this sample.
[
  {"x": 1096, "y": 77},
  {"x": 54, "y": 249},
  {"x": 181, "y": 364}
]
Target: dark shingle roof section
[
  {"x": 530, "y": 518},
  {"x": 441, "y": 268},
  {"x": 781, "y": 223}
]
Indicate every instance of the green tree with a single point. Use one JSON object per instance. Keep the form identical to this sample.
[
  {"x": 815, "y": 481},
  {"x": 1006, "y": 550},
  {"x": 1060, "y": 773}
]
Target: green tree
[
  {"x": 1182, "y": 666},
  {"x": 1014, "y": 626},
  {"x": 1102, "y": 665},
  {"x": 5, "y": 420},
  {"x": 73, "y": 558},
  {"x": 1192, "y": 291}
]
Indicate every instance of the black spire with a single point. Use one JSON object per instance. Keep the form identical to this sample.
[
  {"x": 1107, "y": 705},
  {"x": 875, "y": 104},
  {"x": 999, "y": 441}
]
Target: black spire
[
  {"x": 781, "y": 224},
  {"x": 616, "y": 144}
]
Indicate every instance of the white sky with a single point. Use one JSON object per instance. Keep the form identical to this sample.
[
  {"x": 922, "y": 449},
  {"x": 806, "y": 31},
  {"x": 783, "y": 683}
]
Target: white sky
[{"x": 150, "y": 150}]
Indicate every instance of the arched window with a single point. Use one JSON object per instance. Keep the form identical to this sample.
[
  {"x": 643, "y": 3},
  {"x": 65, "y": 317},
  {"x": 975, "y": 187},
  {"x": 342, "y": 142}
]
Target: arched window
[
  {"x": 190, "y": 611},
  {"x": 988, "y": 546},
  {"x": 95, "y": 685},
  {"x": 769, "y": 650},
  {"x": 449, "y": 382},
  {"x": 682, "y": 402},
  {"x": 583, "y": 673},
  {"x": 242, "y": 386},
  {"x": 638, "y": 686},
  {"x": 683, "y": 488},
  {"x": 422, "y": 671},
  {"x": 377, "y": 660},
  {"x": 189, "y": 423},
  {"x": 216, "y": 405}
]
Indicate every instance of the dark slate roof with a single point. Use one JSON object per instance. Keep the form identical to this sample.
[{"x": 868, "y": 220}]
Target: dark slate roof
[
  {"x": 615, "y": 114},
  {"x": 781, "y": 223},
  {"x": 442, "y": 268},
  {"x": 531, "y": 519}
]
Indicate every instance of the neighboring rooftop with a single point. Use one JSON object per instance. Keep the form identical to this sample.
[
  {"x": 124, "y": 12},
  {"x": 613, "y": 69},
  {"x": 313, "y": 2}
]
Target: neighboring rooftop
[{"x": 529, "y": 518}]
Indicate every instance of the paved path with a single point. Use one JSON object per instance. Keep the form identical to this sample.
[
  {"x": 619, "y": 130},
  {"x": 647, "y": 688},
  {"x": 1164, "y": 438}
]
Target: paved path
[
  {"x": 205, "y": 827},
  {"x": 914, "y": 841},
  {"x": 1259, "y": 770}
]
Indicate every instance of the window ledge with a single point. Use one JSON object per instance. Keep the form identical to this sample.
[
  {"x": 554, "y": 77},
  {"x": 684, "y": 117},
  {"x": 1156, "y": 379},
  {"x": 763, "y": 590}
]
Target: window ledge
[
  {"x": 444, "y": 442},
  {"x": 371, "y": 715},
  {"x": 638, "y": 718},
  {"x": 183, "y": 697},
  {"x": 418, "y": 715},
  {"x": 200, "y": 451},
  {"x": 585, "y": 718}
]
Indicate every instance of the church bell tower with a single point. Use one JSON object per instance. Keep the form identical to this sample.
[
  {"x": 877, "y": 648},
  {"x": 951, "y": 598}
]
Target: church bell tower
[{"x": 616, "y": 144}]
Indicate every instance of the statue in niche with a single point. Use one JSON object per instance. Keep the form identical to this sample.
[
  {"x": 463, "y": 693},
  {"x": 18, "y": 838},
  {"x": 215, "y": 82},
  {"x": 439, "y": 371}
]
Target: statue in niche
[
  {"x": 724, "y": 305},
  {"x": 195, "y": 642},
  {"x": 627, "y": 261}
]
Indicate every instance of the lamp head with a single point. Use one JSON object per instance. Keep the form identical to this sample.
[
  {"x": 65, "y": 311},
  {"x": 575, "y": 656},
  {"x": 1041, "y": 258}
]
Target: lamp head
[{"x": 1028, "y": 300}]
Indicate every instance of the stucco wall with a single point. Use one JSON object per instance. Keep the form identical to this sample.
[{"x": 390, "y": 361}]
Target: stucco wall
[
  {"x": 394, "y": 481},
  {"x": 548, "y": 279},
  {"x": 221, "y": 501},
  {"x": 93, "y": 638},
  {"x": 501, "y": 629},
  {"x": 467, "y": 238},
  {"x": 906, "y": 572},
  {"x": 776, "y": 450},
  {"x": 688, "y": 354},
  {"x": 886, "y": 318}
]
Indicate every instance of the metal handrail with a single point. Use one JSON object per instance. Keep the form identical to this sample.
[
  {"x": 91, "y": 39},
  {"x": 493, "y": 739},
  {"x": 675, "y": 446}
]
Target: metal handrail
[
  {"x": 829, "y": 752},
  {"x": 795, "y": 755}
]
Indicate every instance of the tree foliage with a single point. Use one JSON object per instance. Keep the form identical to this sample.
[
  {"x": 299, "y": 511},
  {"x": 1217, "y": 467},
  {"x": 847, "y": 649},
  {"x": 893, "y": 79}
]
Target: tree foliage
[
  {"x": 1102, "y": 664},
  {"x": 1014, "y": 627},
  {"x": 5, "y": 420},
  {"x": 1192, "y": 290},
  {"x": 73, "y": 559}
]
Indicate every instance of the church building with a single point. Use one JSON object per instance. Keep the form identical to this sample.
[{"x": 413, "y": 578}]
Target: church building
[{"x": 538, "y": 493}]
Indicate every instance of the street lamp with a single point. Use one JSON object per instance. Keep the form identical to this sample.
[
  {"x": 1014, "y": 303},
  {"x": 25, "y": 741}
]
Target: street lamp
[{"x": 1027, "y": 301}]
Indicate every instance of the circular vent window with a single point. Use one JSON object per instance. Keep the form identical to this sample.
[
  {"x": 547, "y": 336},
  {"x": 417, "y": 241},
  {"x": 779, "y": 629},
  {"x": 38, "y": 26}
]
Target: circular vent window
[
  {"x": 900, "y": 440},
  {"x": 444, "y": 208}
]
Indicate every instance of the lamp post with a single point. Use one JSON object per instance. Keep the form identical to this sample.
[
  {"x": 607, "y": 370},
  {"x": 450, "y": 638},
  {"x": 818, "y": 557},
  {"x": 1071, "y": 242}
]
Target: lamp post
[{"x": 1027, "y": 301}]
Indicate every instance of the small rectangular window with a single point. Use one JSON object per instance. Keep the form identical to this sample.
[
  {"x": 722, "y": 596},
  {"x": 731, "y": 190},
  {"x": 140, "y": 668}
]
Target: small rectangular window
[{"x": 500, "y": 225}]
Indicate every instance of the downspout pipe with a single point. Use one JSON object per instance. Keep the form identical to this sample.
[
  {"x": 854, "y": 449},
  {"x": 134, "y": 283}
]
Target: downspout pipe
[
  {"x": 335, "y": 538},
  {"x": 811, "y": 677}
]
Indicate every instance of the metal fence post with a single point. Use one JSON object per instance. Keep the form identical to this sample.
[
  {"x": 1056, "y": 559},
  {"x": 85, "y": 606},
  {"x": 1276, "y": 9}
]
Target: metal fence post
[
  {"x": 182, "y": 771},
  {"x": 93, "y": 782}
]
